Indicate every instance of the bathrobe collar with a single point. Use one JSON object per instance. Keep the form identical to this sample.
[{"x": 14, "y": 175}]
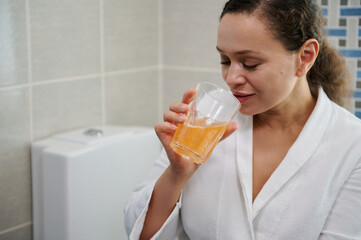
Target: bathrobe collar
[{"x": 297, "y": 156}]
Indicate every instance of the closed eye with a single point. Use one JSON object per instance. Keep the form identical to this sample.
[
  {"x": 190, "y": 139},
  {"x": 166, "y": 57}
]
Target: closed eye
[
  {"x": 226, "y": 62},
  {"x": 250, "y": 67}
]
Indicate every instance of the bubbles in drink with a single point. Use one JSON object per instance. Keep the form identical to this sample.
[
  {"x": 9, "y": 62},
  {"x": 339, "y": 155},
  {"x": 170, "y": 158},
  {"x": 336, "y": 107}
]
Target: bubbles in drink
[{"x": 196, "y": 141}]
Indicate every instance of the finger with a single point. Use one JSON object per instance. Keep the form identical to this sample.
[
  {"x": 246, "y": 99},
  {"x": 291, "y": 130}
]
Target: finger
[
  {"x": 165, "y": 127},
  {"x": 189, "y": 95},
  {"x": 179, "y": 107},
  {"x": 232, "y": 127},
  {"x": 174, "y": 117}
]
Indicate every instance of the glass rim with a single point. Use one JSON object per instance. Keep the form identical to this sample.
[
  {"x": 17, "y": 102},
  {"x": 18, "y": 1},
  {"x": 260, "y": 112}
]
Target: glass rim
[{"x": 214, "y": 86}]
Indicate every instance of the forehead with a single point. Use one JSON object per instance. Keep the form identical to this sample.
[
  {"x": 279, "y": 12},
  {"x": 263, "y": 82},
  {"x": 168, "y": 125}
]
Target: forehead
[{"x": 237, "y": 32}]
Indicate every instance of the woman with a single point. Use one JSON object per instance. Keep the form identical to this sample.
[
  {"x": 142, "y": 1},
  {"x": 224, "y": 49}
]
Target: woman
[{"x": 292, "y": 168}]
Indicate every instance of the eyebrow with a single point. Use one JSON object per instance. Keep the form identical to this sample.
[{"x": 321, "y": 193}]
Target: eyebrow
[{"x": 239, "y": 52}]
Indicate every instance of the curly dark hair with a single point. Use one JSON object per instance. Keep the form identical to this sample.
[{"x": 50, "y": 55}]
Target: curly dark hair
[{"x": 293, "y": 22}]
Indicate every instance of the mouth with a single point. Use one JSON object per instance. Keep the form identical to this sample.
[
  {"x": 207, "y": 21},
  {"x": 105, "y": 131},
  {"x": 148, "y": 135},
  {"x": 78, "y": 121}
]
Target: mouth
[{"x": 242, "y": 97}]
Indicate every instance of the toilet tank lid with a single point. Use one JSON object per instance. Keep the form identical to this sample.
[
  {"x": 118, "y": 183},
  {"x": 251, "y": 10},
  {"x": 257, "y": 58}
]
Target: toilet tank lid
[{"x": 97, "y": 134}]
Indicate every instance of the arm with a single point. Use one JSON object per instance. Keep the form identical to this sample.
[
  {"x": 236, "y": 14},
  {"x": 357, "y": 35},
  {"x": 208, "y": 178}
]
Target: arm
[
  {"x": 158, "y": 207},
  {"x": 165, "y": 196},
  {"x": 169, "y": 185},
  {"x": 138, "y": 204},
  {"x": 344, "y": 220}
]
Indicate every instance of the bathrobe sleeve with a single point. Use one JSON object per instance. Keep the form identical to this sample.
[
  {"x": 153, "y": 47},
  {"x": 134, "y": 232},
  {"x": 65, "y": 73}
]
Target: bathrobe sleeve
[
  {"x": 344, "y": 220},
  {"x": 138, "y": 203}
]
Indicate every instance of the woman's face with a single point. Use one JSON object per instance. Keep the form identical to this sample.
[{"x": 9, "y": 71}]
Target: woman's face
[{"x": 259, "y": 71}]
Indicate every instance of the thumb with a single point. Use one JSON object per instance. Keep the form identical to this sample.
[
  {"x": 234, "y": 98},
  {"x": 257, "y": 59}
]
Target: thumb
[{"x": 232, "y": 127}]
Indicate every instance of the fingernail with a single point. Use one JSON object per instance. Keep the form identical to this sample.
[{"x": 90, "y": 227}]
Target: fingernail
[
  {"x": 182, "y": 118},
  {"x": 174, "y": 127},
  {"x": 184, "y": 108}
]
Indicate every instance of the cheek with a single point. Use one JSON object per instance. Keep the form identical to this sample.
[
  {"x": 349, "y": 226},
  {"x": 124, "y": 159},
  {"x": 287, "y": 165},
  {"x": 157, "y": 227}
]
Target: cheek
[
  {"x": 270, "y": 86},
  {"x": 280, "y": 87},
  {"x": 277, "y": 78},
  {"x": 263, "y": 81},
  {"x": 286, "y": 78}
]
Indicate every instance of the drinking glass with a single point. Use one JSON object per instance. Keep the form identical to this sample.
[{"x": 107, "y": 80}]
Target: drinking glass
[{"x": 210, "y": 112}]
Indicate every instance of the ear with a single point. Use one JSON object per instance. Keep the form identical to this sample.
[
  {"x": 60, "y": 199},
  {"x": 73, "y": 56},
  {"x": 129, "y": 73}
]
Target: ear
[{"x": 307, "y": 55}]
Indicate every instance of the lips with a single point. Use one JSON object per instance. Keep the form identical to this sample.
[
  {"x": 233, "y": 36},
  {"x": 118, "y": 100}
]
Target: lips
[{"x": 242, "y": 97}]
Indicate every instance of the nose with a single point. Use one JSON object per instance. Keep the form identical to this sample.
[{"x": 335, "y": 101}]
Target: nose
[{"x": 235, "y": 75}]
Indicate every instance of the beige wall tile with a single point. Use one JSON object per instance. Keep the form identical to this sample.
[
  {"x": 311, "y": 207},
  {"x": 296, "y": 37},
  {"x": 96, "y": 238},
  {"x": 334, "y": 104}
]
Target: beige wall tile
[
  {"x": 130, "y": 34},
  {"x": 65, "y": 38},
  {"x": 333, "y": 13},
  {"x": 15, "y": 180},
  {"x": 190, "y": 32},
  {"x": 132, "y": 99},
  {"x": 24, "y": 233},
  {"x": 354, "y": 3},
  {"x": 13, "y": 43},
  {"x": 352, "y": 33},
  {"x": 65, "y": 106}
]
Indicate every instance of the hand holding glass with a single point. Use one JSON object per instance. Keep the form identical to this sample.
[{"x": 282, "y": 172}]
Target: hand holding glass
[{"x": 210, "y": 112}]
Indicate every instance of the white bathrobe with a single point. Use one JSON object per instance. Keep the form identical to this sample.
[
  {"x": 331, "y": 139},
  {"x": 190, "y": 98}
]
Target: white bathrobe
[{"x": 315, "y": 193}]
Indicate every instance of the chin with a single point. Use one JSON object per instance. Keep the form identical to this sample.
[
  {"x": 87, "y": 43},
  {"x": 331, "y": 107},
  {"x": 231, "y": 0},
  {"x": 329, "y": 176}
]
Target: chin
[{"x": 247, "y": 112}]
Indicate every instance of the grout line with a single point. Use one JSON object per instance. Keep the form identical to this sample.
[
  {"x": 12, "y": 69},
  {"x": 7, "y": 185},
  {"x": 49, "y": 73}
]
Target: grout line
[
  {"x": 102, "y": 77},
  {"x": 160, "y": 61},
  {"x": 82, "y": 77},
  {"x": 28, "y": 33},
  {"x": 160, "y": 33},
  {"x": 15, "y": 86},
  {"x": 191, "y": 69},
  {"x": 16, "y": 227},
  {"x": 161, "y": 93},
  {"x": 46, "y": 82},
  {"x": 101, "y": 30},
  {"x": 67, "y": 79},
  {"x": 131, "y": 70},
  {"x": 31, "y": 116},
  {"x": 30, "y": 68}
]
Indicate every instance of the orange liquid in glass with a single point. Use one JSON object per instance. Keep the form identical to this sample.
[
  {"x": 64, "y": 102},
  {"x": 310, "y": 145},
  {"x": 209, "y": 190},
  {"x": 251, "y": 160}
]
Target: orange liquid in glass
[{"x": 196, "y": 142}]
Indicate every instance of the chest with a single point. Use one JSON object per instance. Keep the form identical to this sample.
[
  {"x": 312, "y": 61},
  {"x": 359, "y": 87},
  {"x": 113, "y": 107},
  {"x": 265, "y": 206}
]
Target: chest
[
  {"x": 217, "y": 207},
  {"x": 269, "y": 149}
]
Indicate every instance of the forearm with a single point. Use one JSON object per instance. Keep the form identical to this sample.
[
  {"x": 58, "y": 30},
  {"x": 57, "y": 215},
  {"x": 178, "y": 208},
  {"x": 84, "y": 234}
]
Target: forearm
[{"x": 164, "y": 198}]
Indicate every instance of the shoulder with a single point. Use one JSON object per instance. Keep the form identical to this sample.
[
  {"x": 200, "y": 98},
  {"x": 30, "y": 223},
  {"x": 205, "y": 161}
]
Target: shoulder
[
  {"x": 343, "y": 119},
  {"x": 341, "y": 141},
  {"x": 344, "y": 128}
]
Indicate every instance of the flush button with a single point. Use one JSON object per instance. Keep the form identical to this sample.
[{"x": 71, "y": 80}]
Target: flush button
[{"x": 92, "y": 132}]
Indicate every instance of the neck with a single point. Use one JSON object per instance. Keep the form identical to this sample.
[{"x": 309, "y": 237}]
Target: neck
[{"x": 294, "y": 110}]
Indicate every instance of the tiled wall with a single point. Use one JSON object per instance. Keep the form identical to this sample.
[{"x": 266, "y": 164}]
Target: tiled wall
[
  {"x": 344, "y": 30},
  {"x": 189, "y": 46},
  {"x": 69, "y": 64},
  {"x": 65, "y": 65}
]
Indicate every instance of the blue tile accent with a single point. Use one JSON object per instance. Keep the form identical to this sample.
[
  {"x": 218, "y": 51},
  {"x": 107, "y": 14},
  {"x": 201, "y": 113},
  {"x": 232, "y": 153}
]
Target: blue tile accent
[
  {"x": 325, "y": 11},
  {"x": 358, "y": 74},
  {"x": 352, "y": 53},
  {"x": 357, "y": 94},
  {"x": 358, "y": 114},
  {"x": 350, "y": 11},
  {"x": 341, "y": 34},
  {"x": 337, "y": 32}
]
